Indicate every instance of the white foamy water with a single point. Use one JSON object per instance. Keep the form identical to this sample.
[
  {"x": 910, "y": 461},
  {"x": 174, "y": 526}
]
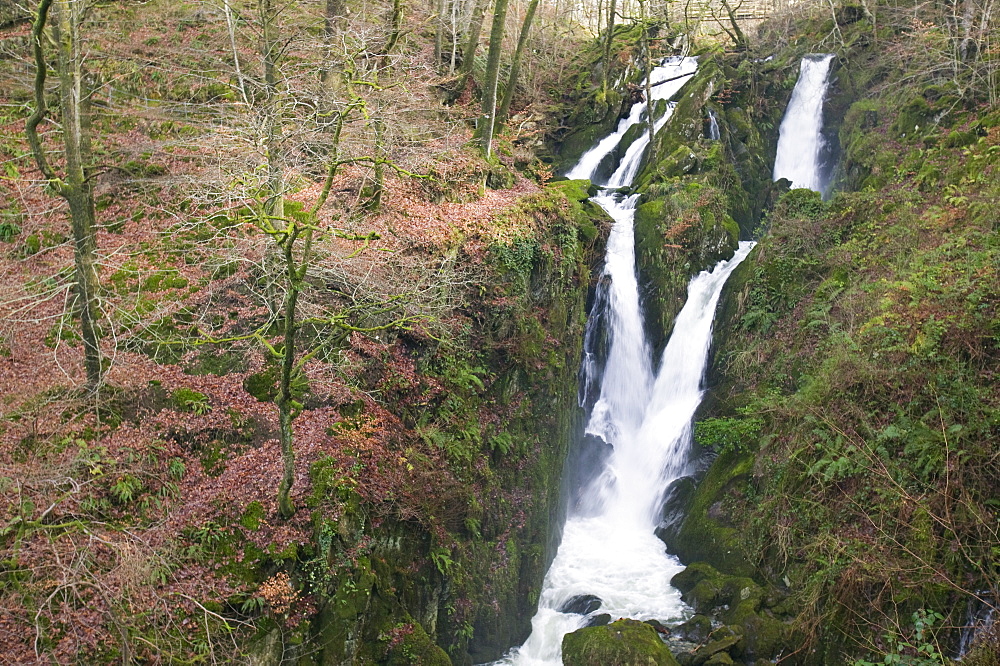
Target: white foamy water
[
  {"x": 800, "y": 139},
  {"x": 670, "y": 67}
]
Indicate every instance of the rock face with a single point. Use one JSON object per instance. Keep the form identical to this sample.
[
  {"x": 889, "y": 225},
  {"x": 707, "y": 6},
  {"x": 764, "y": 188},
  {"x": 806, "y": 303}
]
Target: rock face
[
  {"x": 581, "y": 605},
  {"x": 621, "y": 643}
]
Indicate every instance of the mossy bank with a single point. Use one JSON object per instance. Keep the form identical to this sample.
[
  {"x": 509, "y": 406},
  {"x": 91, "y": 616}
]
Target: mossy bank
[
  {"x": 854, "y": 412},
  {"x": 458, "y": 584}
]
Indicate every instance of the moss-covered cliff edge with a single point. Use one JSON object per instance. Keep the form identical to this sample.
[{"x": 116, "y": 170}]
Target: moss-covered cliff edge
[
  {"x": 464, "y": 575},
  {"x": 854, "y": 411}
]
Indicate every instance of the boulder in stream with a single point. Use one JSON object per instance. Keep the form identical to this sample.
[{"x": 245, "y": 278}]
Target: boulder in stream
[
  {"x": 582, "y": 604},
  {"x": 622, "y": 643}
]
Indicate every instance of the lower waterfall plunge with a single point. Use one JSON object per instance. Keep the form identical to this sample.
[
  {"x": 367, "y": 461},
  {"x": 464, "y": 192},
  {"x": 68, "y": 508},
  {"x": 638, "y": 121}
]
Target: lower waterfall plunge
[{"x": 609, "y": 548}]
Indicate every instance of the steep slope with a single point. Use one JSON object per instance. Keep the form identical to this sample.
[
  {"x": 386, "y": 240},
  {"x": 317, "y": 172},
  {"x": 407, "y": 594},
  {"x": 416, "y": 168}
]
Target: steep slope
[{"x": 856, "y": 419}]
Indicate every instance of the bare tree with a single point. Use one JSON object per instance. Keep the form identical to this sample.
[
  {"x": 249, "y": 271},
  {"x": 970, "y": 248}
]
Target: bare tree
[
  {"x": 515, "y": 62},
  {"x": 76, "y": 184},
  {"x": 487, "y": 122},
  {"x": 472, "y": 34}
]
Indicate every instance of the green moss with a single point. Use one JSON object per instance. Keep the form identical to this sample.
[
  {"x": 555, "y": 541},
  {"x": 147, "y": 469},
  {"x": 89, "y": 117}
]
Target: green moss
[
  {"x": 252, "y": 515},
  {"x": 417, "y": 649},
  {"x": 189, "y": 400},
  {"x": 724, "y": 640},
  {"x": 914, "y": 115},
  {"x": 163, "y": 280},
  {"x": 263, "y": 385},
  {"x": 683, "y": 229},
  {"x": 32, "y": 244},
  {"x": 801, "y": 203},
  {"x": 622, "y": 643},
  {"x": 704, "y": 536}
]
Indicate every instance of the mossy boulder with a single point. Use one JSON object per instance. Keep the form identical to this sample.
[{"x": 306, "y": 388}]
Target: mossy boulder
[
  {"x": 706, "y": 535},
  {"x": 700, "y": 585},
  {"x": 681, "y": 161},
  {"x": 914, "y": 118},
  {"x": 694, "y": 630},
  {"x": 416, "y": 649},
  {"x": 764, "y": 636},
  {"x": 622, "y": 643},
  {"x": 726, "y": 640},
  {"x": 683, "y": 230},
  {"x": 719, "y": 659}
]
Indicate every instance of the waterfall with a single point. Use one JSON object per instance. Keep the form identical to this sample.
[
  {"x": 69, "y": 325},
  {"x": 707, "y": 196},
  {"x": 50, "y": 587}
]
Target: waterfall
[
  {"x": 617, "y": 297},
  {"x": 660, "y": 89},
  {"x": 980, "y": 619},
  {"x": 713, "y": 127},
  {"x": 609, "y": 548},
  {"x": 800, "y": 140}
]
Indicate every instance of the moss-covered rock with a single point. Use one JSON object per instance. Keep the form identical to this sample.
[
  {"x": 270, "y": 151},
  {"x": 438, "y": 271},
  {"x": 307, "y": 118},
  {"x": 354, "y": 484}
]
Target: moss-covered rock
[
  {"x": 694, "y": 630},
  {"x": 719, "y": 659},
  {"x": 764, "y": 635},
  {"x": 727, "y": 640},
  {"x": 706, "y": 535},
  {"x": 622, "y": 643},
  {"x": 416, "y": 648},
  {"x": 685, "y": 229}
]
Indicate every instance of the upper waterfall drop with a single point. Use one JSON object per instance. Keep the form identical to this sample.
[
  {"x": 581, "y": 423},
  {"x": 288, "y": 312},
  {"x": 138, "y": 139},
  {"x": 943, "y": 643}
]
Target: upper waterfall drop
[
  {"x": 665, "y": 80},
  {"x": 713, "y": 127},
  {"x": 800, "y": 138}
]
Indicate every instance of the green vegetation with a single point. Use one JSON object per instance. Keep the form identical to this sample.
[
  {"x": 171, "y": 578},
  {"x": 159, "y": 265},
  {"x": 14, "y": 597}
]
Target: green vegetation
[
  {"x": 855, "y": 401},
  {"x": 278, "y": 222},
  {"x": 622, "y": 643}
]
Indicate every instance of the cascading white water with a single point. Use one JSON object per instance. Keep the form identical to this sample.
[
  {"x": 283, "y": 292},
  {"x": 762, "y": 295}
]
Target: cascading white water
[
  {"x": 670, "y": 68},
  {"x": 713, "y": 127},
  {"x": 627, "y": 377},
  {"x": 980, "y": 619},
  {"x": 800, "y": 139},
  {"x": 609, "y": 548}
]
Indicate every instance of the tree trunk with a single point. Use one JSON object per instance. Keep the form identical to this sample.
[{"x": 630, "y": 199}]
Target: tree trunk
[
  {"x": 515, "y": 63},
  {"x": 285, "y": 506},
  {"x": 438, "y": 9},
  {"x": 333, "y": 16},
  {"x": 471, "y": 44},
  {"x": 285, "y": 402},
  {"x": 375, "y": 201},
  {"x": 737, "y": 35},
  {"x": 453, "y": 60},
  {"x": 395, "y": 30},
  {"x": 272, "y": 109},
  {"x": 231, "y": 28},
  {"x": 612, "y": 9},
  {"x": 488, "y": 120},
  {"x": 75, "y": 186},
  {"x": 79, "y": 191}
]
